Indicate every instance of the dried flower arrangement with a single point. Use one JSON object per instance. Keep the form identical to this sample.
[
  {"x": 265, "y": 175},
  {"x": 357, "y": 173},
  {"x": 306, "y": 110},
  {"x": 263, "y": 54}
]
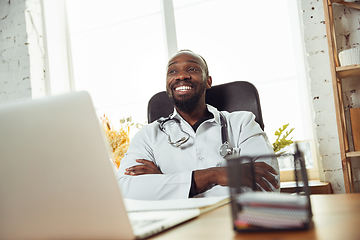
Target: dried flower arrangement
[{"x": 118, "y": 140}]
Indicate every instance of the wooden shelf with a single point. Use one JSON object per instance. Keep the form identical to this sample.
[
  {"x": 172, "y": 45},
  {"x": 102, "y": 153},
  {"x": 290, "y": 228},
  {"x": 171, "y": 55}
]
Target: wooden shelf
[
  {"x": 353, "y": 154},
  {"x": 338, "y": 73},
  {"x": 348, "y": 71},
  {"x": 348, "y": 4}
]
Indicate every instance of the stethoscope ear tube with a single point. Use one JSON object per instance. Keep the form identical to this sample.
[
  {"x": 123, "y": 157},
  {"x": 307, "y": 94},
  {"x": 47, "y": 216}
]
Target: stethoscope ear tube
[
  {"x": 225, "y": 148},
  {"x": 162, "y": 128}
]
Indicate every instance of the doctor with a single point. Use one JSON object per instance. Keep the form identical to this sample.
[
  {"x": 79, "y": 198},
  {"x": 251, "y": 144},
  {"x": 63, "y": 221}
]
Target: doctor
[{"x": 179, "y": 157}]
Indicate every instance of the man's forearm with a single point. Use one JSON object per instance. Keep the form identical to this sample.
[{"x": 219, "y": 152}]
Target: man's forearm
[
  {"x": 264, "y": 174},
  {"x": 207, "y": 178}
]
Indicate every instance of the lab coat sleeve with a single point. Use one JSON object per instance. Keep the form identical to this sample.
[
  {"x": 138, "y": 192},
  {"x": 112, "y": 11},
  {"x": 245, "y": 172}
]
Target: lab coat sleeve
[
  {"x": 150, "y": 186},
  {"x": 253, "y": 141}
]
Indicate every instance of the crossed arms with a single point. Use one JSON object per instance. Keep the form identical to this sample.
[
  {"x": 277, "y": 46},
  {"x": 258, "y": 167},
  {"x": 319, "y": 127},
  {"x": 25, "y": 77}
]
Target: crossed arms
[{"x": 206, "y": 178}]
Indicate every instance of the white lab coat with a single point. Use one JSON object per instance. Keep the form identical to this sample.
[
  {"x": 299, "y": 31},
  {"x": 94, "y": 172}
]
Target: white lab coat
[{"x": 201, "y": 151}]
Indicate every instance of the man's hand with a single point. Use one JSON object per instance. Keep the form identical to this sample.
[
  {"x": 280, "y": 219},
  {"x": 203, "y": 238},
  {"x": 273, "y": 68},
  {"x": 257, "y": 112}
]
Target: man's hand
[
  {"x": 147, "y": 167},
  {"x": 261, "y": 171},
  {"x": 207, "y": 178}
]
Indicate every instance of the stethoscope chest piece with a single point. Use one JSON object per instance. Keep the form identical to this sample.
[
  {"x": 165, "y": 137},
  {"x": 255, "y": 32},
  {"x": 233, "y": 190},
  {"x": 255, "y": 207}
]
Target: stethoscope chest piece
[{"x": 225, "y": 150}]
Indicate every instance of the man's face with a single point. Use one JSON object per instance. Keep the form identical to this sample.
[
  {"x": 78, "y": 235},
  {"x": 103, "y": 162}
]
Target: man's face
[{"x": 186, "y": 80}]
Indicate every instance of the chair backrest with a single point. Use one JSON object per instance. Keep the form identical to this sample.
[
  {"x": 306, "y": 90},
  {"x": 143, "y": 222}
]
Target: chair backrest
[{"x": 233, "y": 96}]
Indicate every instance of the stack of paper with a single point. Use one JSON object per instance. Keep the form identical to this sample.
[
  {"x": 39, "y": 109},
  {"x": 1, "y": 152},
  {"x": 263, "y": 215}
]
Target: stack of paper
[
  {"x": 271, "y": 210},
  {"x": 203, "y": 204}
]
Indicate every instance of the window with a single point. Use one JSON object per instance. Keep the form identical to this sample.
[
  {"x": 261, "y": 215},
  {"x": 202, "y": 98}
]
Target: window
[
  {"x": 114, "y": 47},
  {"x": 119, "y": 51}
]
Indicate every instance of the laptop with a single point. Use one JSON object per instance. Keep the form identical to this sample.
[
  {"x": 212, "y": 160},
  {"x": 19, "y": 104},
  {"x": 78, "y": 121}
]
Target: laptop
[{"x": 56, "y": 177}]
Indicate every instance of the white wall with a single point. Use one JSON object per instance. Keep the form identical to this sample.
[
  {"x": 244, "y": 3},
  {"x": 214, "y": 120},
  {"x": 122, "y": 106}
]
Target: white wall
[{"x": 21, "y": 51}]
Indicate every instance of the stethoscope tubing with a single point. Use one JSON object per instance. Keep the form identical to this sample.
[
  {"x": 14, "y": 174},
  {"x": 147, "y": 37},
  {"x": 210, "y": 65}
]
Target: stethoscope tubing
[{"x": 225, "y": 148}]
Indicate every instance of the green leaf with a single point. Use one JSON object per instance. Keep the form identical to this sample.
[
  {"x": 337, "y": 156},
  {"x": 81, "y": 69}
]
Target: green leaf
[{"x": 281, "y": 140}]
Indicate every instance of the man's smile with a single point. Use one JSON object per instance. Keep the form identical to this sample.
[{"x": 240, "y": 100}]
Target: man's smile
[{"x": 183, "y": 88}]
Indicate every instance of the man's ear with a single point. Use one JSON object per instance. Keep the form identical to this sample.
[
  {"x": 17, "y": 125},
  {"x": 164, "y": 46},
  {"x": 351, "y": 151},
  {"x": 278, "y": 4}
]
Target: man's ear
[{"x": 208, "y": 82}]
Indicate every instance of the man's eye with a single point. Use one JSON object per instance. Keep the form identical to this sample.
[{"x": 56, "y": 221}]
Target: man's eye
[
  {"x": 171, "y": 71},
  {"x": 193, "y": 69}
]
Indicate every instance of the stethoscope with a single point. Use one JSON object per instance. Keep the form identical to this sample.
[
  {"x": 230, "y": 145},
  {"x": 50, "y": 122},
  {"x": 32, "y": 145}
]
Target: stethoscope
[{"x": 225, "y": 148}]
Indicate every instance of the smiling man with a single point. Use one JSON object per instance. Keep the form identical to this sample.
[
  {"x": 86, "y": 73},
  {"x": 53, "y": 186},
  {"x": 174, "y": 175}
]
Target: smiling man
[
  {"x": 187, "y": 94},
  {"x": 154, "y": 168}
]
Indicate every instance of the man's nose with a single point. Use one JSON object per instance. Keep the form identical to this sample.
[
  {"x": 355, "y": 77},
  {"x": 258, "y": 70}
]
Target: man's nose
[{"x": 182, "y": 75}]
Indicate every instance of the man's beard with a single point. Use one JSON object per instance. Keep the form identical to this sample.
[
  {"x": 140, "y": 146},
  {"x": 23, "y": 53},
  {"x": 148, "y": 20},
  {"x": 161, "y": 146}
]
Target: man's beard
[{"x": 188, "y": 105}]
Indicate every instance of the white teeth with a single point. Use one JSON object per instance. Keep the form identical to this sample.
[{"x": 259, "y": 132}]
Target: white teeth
[{"x": 183, "y": 88}]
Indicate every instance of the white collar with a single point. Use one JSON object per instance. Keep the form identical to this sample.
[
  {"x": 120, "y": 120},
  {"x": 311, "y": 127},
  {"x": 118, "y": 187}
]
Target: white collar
[{"x": 210, "y": 108}]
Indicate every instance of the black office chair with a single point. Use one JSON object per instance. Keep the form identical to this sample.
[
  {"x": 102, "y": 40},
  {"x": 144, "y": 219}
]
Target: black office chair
[{"x": 233, "y": 96}]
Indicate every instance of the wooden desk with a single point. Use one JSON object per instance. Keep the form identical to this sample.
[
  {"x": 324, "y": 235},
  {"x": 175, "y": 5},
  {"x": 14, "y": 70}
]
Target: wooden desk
[{"x": 335, "y": 216}]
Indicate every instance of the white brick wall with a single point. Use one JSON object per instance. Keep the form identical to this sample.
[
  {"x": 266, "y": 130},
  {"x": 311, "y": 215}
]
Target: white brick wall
[
  {"x": 14, "y": 69},
  {"x": 347, "y": 24},
  {"x": 21, "y": 51}
]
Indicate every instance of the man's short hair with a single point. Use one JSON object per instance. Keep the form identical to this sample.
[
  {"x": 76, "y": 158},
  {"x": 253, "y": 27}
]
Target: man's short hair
[{"x": 206, "y": 66}]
